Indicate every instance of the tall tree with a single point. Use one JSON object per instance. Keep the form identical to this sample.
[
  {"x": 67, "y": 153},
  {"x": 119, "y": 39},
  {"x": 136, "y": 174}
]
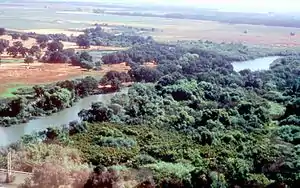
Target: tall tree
[
  {"x": 35, "y": 51},
  {"x": 2, "y": 31},
  {"x": 42, "y": 39},
  {"x": 13, "y": 51},
  {"x": 3, "y": 45},
  {"x": 24, "y": 37},
  {"x": 18, "y": 44},
  {"x": 55, "y": 46},
  {"x": 23, "y": 51},
  {"x": 82, "y": 41}
]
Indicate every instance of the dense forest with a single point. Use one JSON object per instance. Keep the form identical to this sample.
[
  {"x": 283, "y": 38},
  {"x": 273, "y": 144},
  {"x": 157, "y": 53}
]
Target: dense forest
[{"x": 189, "y": 121}]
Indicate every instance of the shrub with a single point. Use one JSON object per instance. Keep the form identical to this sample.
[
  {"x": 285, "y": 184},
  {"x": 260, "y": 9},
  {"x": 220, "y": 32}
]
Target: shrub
[
  {"x": 28, "y": 60},
  {"x": 165, "y": 171},
  {"x": 47, "y": 175},
  {"x": 143, "y": 159},
  {"x": 109, "y": 178},
  {"x": 117, "y": 142},
  {"x": 24, "y": 37}
]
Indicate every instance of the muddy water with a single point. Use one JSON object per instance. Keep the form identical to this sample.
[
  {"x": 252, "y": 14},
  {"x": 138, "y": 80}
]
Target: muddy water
[
  {"x": 14, "y": 133},
  {"x": 256, "y": 64}
]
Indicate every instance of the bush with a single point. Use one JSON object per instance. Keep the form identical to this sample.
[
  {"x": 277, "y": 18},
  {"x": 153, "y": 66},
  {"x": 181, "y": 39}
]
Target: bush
[
  {"x": 165, "y": 171},
  {"x": 47, "y": 175},
  {"x": 117, "y": 142},
  {"x": 24, "y": 37},
  {"x": 141, "y": 160},
  {"x": 15, "y": 36},
  {"x": 103, "y": 178},
  {"x": 28, "y": 60}
]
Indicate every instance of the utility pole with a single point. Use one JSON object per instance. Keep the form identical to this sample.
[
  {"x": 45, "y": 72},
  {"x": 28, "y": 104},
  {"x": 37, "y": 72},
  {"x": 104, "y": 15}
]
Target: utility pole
[{"x": 8, "y": 175}]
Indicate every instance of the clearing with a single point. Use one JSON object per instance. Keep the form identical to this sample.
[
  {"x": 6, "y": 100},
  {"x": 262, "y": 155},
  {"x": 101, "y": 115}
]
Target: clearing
[
  {"x": 15, "y": 75},
  {"x": 59, "y": 18},
  {"x": 49, "y": 31}
]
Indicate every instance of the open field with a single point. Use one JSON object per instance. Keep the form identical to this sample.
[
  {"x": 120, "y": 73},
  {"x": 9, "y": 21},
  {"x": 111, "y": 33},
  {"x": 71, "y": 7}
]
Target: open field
[
  {"x": 221, "y": 32},
  {"x": 17, "y": 75},
  {"x": 29, "y": 43},
  {"x": 49, "y": 31},
  {"x": 54, "y": 19},
  {"x": 178, "y": 29}
]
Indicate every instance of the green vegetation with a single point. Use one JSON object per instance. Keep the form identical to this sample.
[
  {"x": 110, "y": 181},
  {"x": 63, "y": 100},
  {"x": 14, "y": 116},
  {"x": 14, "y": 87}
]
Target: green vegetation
[
  {"x": 13, "y": 61},
  {"x": 11, "y": 92},
  {"x": 202, "y": 118},
  {"x": 190, "y": 121}
]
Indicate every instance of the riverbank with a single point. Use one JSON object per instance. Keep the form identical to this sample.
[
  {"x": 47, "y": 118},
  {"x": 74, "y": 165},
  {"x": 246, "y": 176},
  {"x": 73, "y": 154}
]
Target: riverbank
[
  {"x": 45, "y": 100},
  {"x": 12, "y": 134},
  {"x": 256, "y": 64},
  {"x": 58, "y": 116}
]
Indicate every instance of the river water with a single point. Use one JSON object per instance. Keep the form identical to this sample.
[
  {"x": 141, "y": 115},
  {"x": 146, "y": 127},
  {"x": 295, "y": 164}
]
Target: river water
[
  {"x": 256, "y": 64},
  {"x": 14, "y": 133}
]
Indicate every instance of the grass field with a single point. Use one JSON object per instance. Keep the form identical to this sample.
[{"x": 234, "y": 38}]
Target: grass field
[
  {"x": 11, "y": 88},
  {"x": 178, "y": 29},
  {"x": 56, "y": 20},
  {"x": 17, "y": 75},
  {"x": 12, "y": 60}
]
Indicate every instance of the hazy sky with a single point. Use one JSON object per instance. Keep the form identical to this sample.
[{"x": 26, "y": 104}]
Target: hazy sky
[{"x": 238, "y": 5}]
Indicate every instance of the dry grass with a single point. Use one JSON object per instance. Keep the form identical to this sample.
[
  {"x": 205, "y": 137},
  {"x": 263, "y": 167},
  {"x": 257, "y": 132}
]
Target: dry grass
[
  {"x": 184, "y": 29},
  {"x": 30, "y": 42},
  {"x": 13, "y": 70},
  {"x": 41, "y": 73},
  {"x": 50, "y": 31},
  {"x": 221, "y": 32}
]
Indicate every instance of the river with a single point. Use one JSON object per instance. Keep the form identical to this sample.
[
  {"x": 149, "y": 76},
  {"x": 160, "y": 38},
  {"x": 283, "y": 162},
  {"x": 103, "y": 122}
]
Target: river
[
  {"x": 256, "y": 64},
  {"x": 14, "y": 133}
]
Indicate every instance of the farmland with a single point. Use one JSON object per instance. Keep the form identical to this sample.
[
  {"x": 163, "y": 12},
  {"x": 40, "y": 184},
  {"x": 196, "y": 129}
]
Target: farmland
[{"x": 60, "y": 19}]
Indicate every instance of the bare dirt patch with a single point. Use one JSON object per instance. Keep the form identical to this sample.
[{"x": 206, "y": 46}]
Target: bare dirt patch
[
  {"x": 50, "y": 31},
  {"x": 42, "y": 73}
]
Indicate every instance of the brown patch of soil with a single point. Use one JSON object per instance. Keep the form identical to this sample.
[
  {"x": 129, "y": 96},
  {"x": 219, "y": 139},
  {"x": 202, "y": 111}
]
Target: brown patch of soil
[
  {"x": 41, "y": 73},
  {"x": 50, "y": 31}
]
